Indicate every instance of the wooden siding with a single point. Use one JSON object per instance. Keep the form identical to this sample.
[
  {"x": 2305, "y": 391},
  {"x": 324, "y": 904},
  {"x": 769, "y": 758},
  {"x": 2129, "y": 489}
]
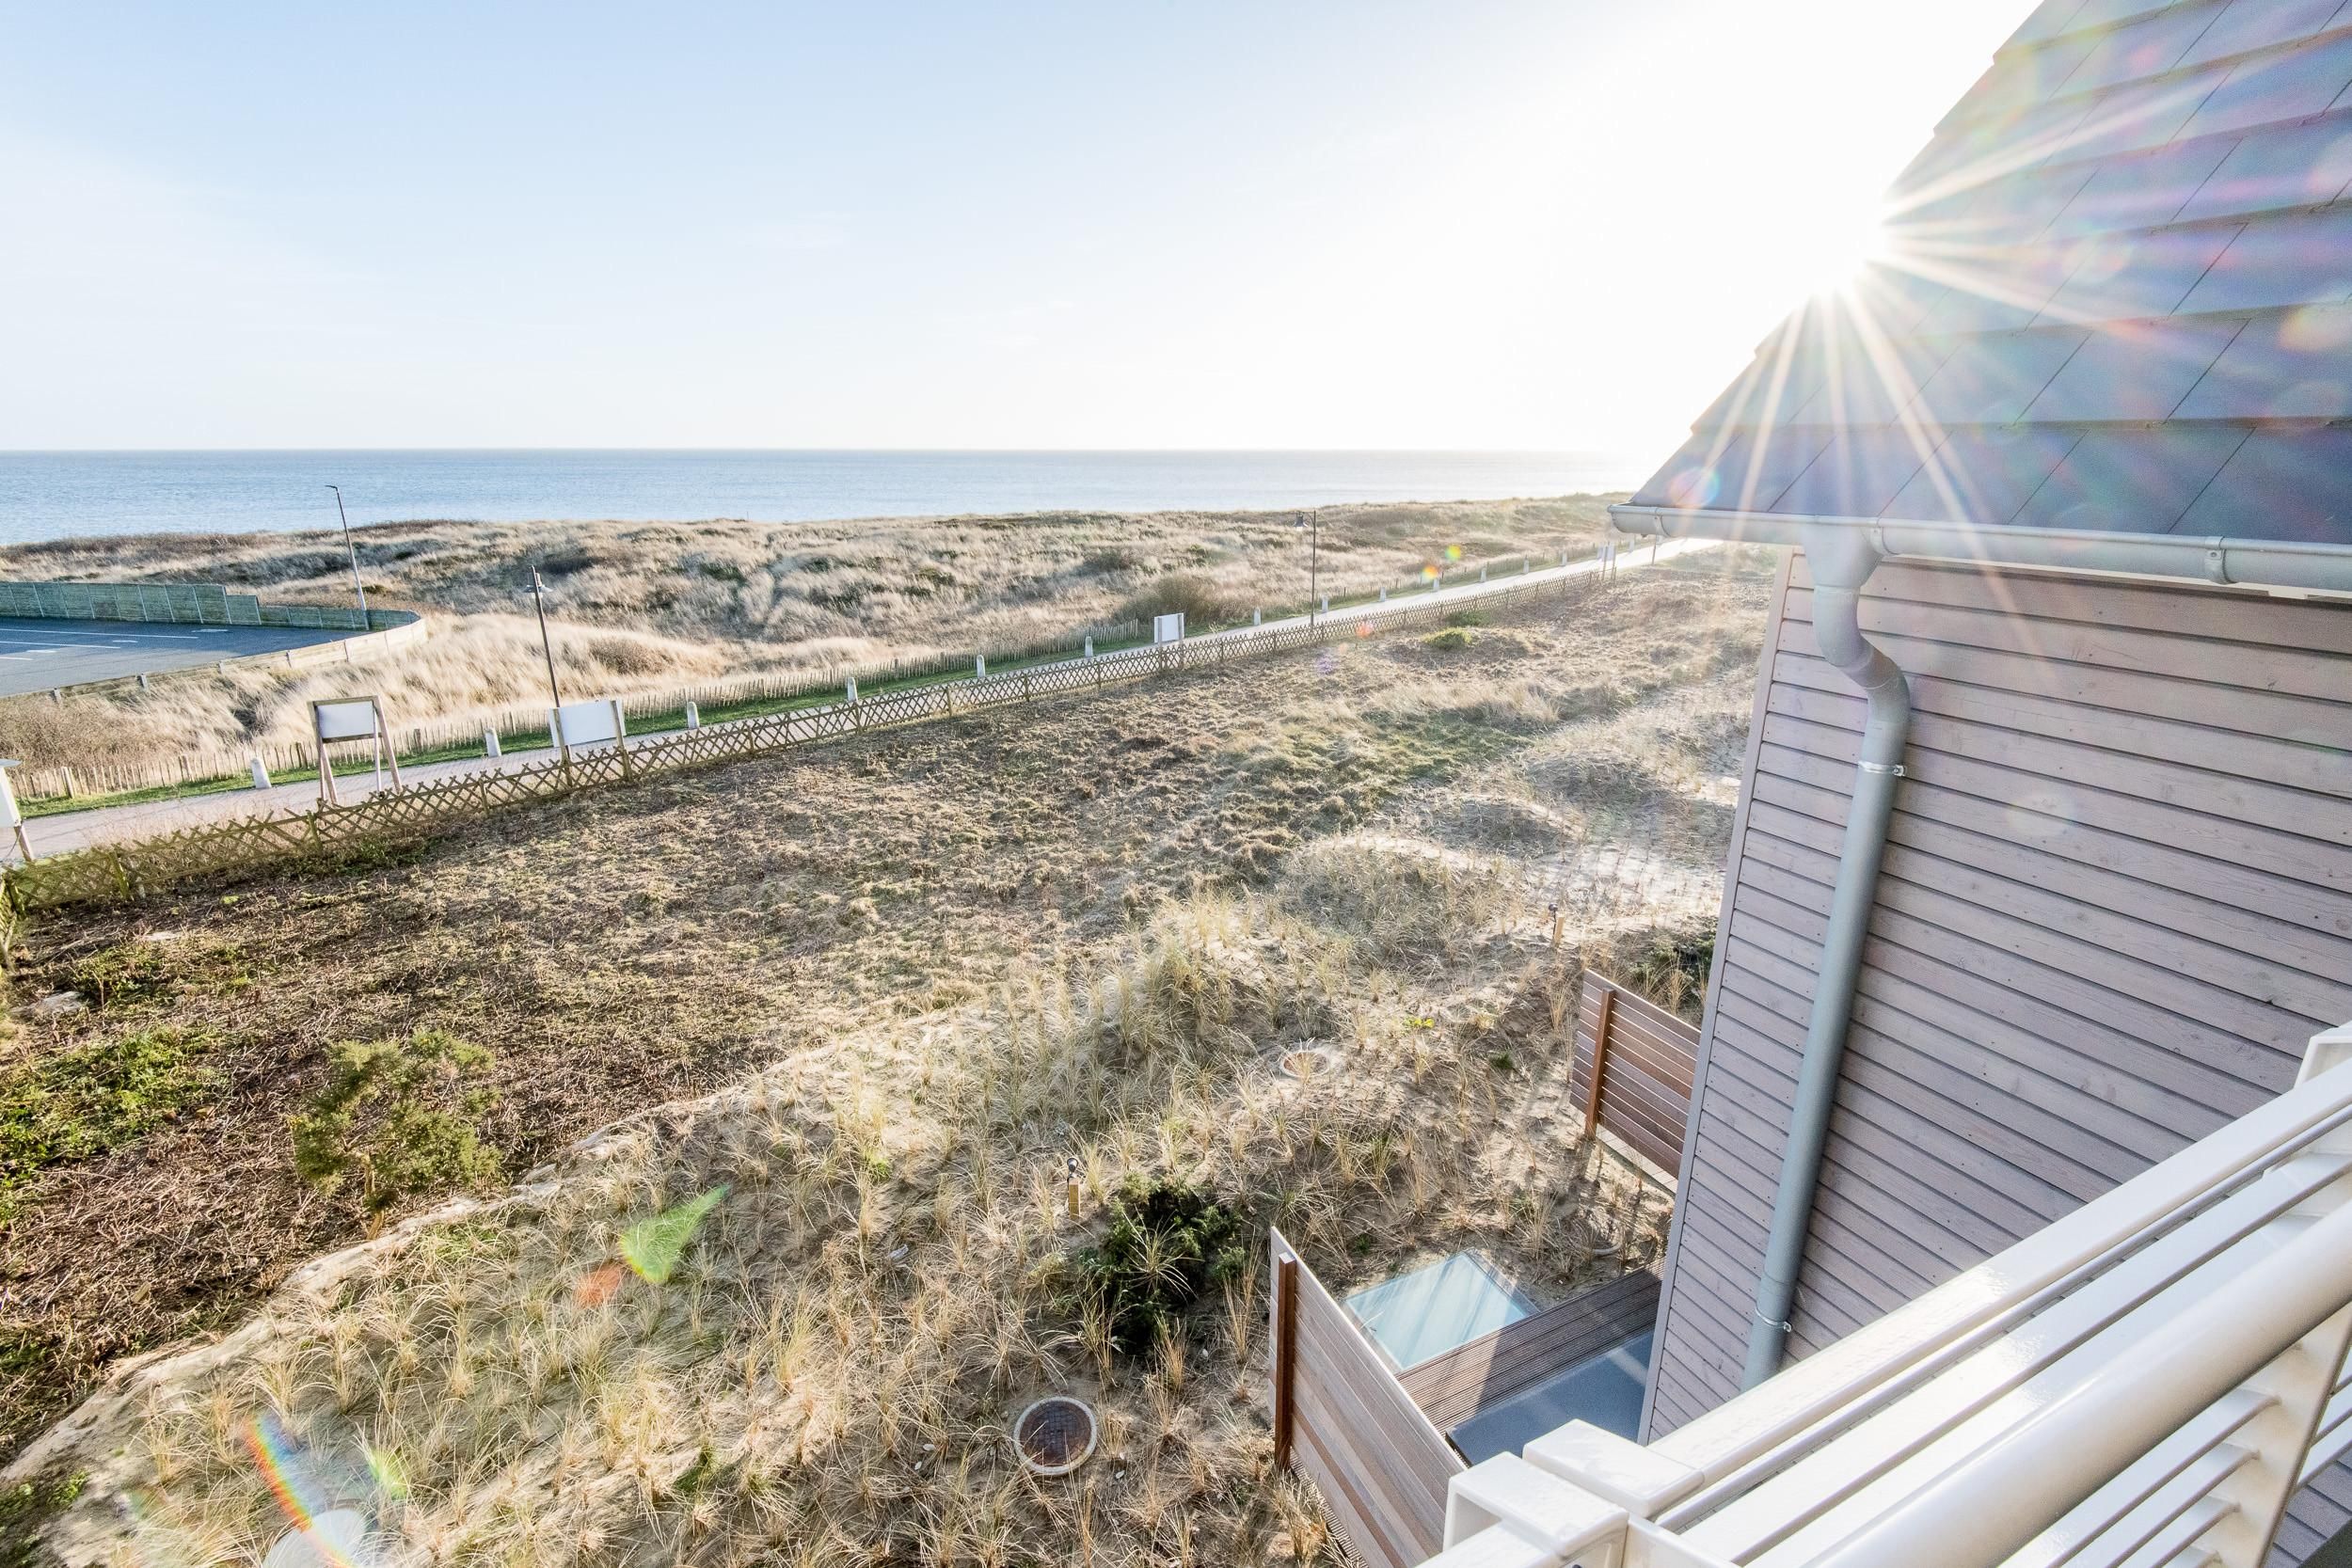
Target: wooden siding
[
  {"x": 1452, "y": 1387},
  {"x": 2116, "y": 903},
  {"x": 1341, "y": 1418},
  {"x": 1646, "y": 1059}
]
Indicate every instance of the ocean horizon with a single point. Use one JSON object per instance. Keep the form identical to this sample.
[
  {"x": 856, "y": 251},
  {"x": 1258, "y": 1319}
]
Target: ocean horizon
[{"x": 56, "y": 495}]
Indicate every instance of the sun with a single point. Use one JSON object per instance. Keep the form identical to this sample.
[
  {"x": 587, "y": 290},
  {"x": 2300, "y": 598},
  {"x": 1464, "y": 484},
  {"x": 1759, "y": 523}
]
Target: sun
[{"x": 1837, "y": 249}]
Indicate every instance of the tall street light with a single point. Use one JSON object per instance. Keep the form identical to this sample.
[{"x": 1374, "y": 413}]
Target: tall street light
[
  {"x": 1311, "y": 524},
  {"x": 538, "y": 591},
  {"x": 353, "y": 551}
]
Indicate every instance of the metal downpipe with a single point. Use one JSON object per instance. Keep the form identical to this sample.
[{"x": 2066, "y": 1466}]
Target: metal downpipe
[{"x": 1841, "y": 562}]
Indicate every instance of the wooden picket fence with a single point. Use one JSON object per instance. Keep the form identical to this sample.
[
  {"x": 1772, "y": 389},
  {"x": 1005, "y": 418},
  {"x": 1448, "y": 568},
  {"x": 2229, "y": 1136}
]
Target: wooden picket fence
[
  {"x": 123, "y": 873},
  {"x": 1633, "y": 1070}
]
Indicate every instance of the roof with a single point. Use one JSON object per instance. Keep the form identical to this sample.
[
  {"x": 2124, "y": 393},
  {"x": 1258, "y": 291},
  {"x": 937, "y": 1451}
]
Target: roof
[{"x": 2118, "y": 297}]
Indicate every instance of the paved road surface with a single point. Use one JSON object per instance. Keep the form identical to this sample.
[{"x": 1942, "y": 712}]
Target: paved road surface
[
  {"x": 36, "y": 655},
  {"x": 69, "y": 831}
]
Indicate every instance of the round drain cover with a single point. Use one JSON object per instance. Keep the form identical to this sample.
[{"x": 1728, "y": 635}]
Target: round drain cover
[
  {"x": 1308, "y": 1061},
  {"x": 1055, "y": 1435}
]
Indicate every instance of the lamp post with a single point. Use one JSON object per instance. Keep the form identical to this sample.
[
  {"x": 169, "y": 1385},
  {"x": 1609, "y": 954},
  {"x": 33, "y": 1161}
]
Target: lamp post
[
  {"x": 1311, "y": 524},
  {"x": 538, "y": 593},
  {"x": 353, "y": 551}
]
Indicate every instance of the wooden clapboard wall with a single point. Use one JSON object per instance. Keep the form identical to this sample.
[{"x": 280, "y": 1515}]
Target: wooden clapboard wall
[
  {"x": 1341, "y": 1418},
  {"x": 1646, "y": 1055},
  {"x": 2117, "y": 902}
]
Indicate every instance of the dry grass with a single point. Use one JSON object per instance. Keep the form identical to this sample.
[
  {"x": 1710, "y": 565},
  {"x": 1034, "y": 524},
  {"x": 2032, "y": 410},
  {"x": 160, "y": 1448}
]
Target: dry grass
[
  {"x": 645, "y": 606},
  {"x": 970, "y": 952}
]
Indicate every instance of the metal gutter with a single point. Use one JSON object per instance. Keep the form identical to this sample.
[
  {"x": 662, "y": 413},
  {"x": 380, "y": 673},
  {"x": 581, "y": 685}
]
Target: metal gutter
[
  {"x": 1841, "y": 562},
  {"x": 2209, "y": 558}
]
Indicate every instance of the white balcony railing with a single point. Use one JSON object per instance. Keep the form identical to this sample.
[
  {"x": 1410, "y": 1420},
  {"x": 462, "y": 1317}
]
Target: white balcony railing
[{"x": 2145, "y": 1382}]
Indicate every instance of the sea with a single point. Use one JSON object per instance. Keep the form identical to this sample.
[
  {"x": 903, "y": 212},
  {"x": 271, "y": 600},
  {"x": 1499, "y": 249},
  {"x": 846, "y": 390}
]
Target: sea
[{"x": 55, "y": 495}]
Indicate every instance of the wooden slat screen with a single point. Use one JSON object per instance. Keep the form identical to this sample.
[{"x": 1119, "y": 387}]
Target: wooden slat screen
[
  {"x": 1342, "y": 1420},
  {"x": 1647, "y": 1056},
  {"x": 1512, "y": 1359}
]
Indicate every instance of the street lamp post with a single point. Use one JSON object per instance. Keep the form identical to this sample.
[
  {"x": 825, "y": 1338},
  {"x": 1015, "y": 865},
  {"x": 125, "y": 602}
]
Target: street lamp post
[
  {"x": 538, "y": 593},
  {"x": 1311, "y": 524},
  {"x": 353, "y": 551}
]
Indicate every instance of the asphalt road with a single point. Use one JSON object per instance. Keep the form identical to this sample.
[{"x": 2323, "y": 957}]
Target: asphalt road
[
  {"x": 36, "y": 655},
  {"x": 79, "y": 830}
]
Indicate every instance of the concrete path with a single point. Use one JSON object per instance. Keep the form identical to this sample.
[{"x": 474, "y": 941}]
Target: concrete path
[{"x": 69, "y": 831}]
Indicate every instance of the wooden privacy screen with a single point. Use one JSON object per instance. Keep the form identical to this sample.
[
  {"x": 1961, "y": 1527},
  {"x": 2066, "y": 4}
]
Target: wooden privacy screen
[
  {"x": 1341, "y": 1418},
  {"x": 1635, "y": 1062}
]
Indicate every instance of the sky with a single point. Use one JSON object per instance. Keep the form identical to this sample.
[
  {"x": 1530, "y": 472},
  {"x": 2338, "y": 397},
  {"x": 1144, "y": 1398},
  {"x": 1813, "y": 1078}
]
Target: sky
[{"x": 1339, "y": 224}]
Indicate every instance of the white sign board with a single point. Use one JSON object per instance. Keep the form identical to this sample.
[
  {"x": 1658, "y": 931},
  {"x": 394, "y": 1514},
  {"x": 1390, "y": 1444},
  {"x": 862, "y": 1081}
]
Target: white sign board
[
  {"x": 353, "y": 719},
  {"x": 1168, "y": 629},
  {"x": 587, "y": 723}
]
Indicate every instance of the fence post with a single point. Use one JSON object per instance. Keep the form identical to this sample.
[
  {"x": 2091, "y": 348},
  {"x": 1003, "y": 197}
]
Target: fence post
[
  {"x": 1601, "y": 1055},
  {"x": 1285, "y": 1357}
]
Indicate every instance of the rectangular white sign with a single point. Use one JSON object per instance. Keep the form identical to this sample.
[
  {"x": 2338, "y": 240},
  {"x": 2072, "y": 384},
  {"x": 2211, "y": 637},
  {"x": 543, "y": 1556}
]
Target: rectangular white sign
[
  {"x": 346, "y": 720},
  {"x": 1168, "y": 629},
  {"x": 588, "y": 723}
]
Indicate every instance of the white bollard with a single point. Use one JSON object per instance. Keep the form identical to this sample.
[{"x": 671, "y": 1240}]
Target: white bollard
[
  {"x": 490, "y": 744},
  {"x": 1326, "y": 604},
  {"x": 1384, "y": 596},
  {"x": 1089, "y": 653},
  {"x": 260, "y": 774},
  {"x": 1482, "y": 574},
  {"x": 693, "y": 715},
  {"x": 980, "y": 666},
  {"x": 852, "y": 685},
  {"x": 1257, "y": 617},
  {"x": 1563, "y": 558}
]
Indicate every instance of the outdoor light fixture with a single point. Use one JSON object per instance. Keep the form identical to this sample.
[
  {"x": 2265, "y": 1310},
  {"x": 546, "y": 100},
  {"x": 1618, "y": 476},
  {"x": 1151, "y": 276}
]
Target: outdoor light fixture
[
  {"x": 353, "y": 551},
  {"x": 1311, "y": 524}
]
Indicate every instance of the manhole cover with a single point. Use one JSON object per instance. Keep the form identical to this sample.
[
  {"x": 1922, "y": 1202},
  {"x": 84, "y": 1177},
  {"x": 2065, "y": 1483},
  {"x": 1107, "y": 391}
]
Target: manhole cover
[
  {"x": 1308, "y": 1061},
  {"x": 1055, "y": 1435}
]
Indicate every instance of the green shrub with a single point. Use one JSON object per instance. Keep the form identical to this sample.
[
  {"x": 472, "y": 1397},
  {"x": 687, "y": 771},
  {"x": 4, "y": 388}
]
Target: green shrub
[
  {"x": 1451, "y": 639},
  {"x": 1465, "y": 618},
  {"x": 1168, "y": 1246},
  {"x": 129, "y": 971},
  {"x": 80, "y": 1104},
  {"x": 396, "y": 1121},
  {"x": 1672, "y": 970},
  {"x": 1201, "y": 602}
]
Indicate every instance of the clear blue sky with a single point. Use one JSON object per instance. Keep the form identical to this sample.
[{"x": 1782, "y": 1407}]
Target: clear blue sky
[{"x": 1536, "y": 224}]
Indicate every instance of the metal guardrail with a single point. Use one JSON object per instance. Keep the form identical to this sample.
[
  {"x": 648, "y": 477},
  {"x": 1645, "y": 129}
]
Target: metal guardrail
[{"x": 2145, "y": 1382}]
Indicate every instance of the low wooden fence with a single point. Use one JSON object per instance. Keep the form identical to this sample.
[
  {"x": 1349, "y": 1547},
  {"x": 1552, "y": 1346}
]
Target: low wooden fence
[
  {"x": 122, "y": 873},
  {"x": 1515, "y": 1358},
  {"x": 1342, "y": 1420},
  {"x": 1632, "y": 1071}
]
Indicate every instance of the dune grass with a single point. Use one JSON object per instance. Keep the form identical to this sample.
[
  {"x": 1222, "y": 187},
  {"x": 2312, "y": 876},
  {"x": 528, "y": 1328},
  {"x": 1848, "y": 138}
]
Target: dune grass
[
  {"x": 640, "y": 607},
  {"x": 880, "y": 996}
]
